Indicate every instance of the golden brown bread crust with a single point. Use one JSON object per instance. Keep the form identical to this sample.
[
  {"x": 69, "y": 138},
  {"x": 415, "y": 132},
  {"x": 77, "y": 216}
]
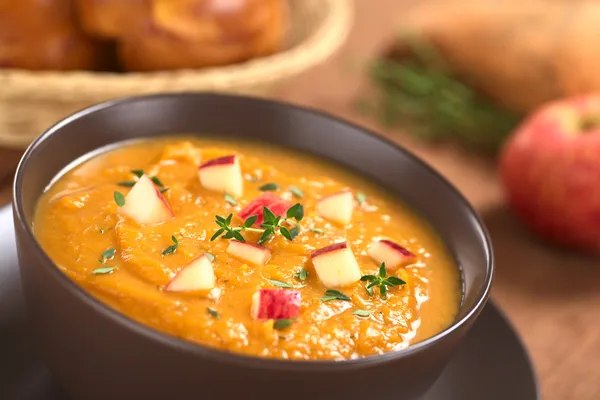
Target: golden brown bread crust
[
  {"x": 43, "y": 35},
  {"x": 201, "y": 33},
  {"x": 109, "y": 19}
]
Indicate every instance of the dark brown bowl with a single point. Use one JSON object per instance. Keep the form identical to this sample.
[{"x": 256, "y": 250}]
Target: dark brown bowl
[{"x": 97, "y": 353}]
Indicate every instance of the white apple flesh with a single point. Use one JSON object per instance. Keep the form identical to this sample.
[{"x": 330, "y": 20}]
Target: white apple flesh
[
  {"x": 276, "y": 304},
  {"x": 197, "y": 275},
  {"x": 390, "y": 253},
  {"x": 145, "y": 204},
  {"x": 337, "y": 207},
  {"x": 336, "y": 266},
  {"x": 222, "y": 175},
  {"x": 249, "y": 252}
]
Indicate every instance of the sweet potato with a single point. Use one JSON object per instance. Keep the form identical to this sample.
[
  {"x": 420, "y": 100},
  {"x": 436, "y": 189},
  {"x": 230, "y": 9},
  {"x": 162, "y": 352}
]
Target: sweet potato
[{"x": 520, "y": 54}]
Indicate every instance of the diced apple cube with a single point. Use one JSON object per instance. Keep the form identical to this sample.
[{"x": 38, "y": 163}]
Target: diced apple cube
[
  {"x": 390, "y": 253},
  {"x": 249, "y": 252},
  {"x": 337, "y": 207},
  {"x": 276, "y": 204},
  {"x": 197, "y": 275},
  {"x": 222, "y": 175},
  {"x": 336, "y": 265},
  {"x": 145, "y": 204},
  {"x": 276, "y": 304}
]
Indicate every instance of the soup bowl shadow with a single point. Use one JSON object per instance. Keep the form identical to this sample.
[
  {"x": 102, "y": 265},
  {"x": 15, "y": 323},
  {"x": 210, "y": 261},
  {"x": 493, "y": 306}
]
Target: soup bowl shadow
[{"x": 97, "y": 353}]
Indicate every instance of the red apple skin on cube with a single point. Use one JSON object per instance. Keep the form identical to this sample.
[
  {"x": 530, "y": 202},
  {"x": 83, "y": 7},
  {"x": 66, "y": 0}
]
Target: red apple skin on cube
[
  {"x": 145, "y": 204},
  {"x": 197, "y": 275},
  {"x": 337, "y": 207},
  {"x": 276, "y": 204},
  {"x": 249, "y": 252},
  {"x": 390, "y": 253},
  {"x": 336, "y": 265},
  {"x": 222, "y": 175},
  {"x": 276, "y": 304},
  {"x": 550, "y": 170}
]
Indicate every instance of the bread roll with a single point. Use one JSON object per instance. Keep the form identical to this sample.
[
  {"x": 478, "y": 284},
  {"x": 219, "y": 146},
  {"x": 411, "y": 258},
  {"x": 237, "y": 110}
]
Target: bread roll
[
  {"x": 42, "y": 35},
  {"x": 201, "y": 33},
  {"x": 113, "y": 18}
]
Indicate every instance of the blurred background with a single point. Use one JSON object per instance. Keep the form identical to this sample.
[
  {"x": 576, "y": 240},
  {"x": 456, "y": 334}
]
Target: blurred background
[{"x": 500, "y": 96}]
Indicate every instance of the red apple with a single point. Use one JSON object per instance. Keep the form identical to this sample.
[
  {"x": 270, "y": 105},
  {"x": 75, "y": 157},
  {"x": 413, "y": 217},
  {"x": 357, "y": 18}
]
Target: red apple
[
  {"x": 223, "y": 175},
  {"x": 249, "y": 252},
  {"x": 276, "y": 204},
  {"x": 276, "y": 304},
  {"x": 550, "y": 168},
  {"x": 197, "y": 275},
  {"x": 145, "y": 204},
  {"x": 336, "y": 265},
  {"x": 337, "y": 207},
  {"x": 390, "y": 253}
]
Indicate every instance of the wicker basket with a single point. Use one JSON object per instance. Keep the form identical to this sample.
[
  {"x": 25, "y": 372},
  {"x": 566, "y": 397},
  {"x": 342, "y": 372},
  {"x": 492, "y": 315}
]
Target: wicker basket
[{"x": 32, "y": 101}]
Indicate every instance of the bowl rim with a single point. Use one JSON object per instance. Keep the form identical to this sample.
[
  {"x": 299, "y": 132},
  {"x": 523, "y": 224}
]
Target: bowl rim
[{"x": 198, "y": 349}]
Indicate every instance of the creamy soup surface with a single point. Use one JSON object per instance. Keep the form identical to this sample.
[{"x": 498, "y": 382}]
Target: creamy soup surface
[{"x": 153, "y": 260}]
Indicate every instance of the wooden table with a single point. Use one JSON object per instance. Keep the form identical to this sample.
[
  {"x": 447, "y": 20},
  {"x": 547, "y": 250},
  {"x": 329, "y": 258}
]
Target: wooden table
[{"x": 552, "y": 298}]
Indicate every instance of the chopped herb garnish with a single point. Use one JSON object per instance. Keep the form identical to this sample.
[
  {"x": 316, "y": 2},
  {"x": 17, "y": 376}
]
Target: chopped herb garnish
[
  {"x": 163, "y": 190},
  {"x": 119, "y": 199},
  {"x": 301, "y": 275},
  {"x": 279, "y": 284},
  {"x": 269, "y": 187},
  {"x": 107, "y": 255},
  {"x": 157, "y": 181},
  {"x": 171, "y": 249},
  {"x": 381, "y": 281},
  {"x": 317, "y": 230},
  {"x": 210, "y": 257},
  {"x": 331, "y": 294},
  {"x": 361, "y": 313},
  {"x": 270, "y": 226},
  {"x": 361, "y": 198},
  {"x": 212, "y": 312},
  {"x": 230, "y": 200},
  {"x": 138, "y": 172},
  {"x": 282, "y": 324},
  {"x": 297, "y": 192},
  {"x": 126, "y": 184},
  {"x": 103, "y": 270}
]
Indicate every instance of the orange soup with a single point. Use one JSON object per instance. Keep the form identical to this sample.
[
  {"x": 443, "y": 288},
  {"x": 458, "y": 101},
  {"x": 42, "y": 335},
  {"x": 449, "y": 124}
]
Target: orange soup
[{"x": 249, "y": 248}]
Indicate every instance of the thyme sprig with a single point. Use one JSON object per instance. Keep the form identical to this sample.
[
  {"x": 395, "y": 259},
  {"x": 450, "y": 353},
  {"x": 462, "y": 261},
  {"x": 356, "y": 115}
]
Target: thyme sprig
[{"x": 382, "y": 280}]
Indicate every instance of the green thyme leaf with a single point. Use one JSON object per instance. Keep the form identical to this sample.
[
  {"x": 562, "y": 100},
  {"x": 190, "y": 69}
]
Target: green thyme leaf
[
  {"x": 108, "y": 254},
  {"x": 211, "y": 257},
  {"x": 119, "y": 199},
  {"x": 369, "y": 290},
  {"x": 126, "y": 184},
  {"x": 394, "y": 280},
  {"x": 297, "y": 192},
  {"x": 383, "y": 291},
  {"x": 301, "y": 275},
  {"x": 317, "y": 230},
  {"x": 212, "y": 312},
  {"x": 361, "y": 313},
  {"x": 138, "y": 172},
  {"x": 382, "y": 271},
  {"x": 228, "y": 219},
  {"x": 230, "y": 200},
  {"x": 331, "y": 294},
  {"x": 296, "y": 211},
  {"x": 282, "y": 324},
  {"x": 266, "y": 236},
  {"x": 268, "y": 215},
  {"x": 103, "y": 270},
  {"x": 269, "y": 187},
  {"x": 157, "y": 181},
  {"x": 229, "y": 235},
  {"x": 217, "y": 234},
  {"x": 285, "y": 232},
  {"x": 295, "y": 231},
  {"x": 163, "y": 190},
  {"x": 250, "y": 221},
  {"x": 361, "y": 198},
  {"x": 280, "y": 284},
  {"x": 238, "y": 236},
  {"x": 368, "y": 278},
  {"x": 171, "y": 249}
]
